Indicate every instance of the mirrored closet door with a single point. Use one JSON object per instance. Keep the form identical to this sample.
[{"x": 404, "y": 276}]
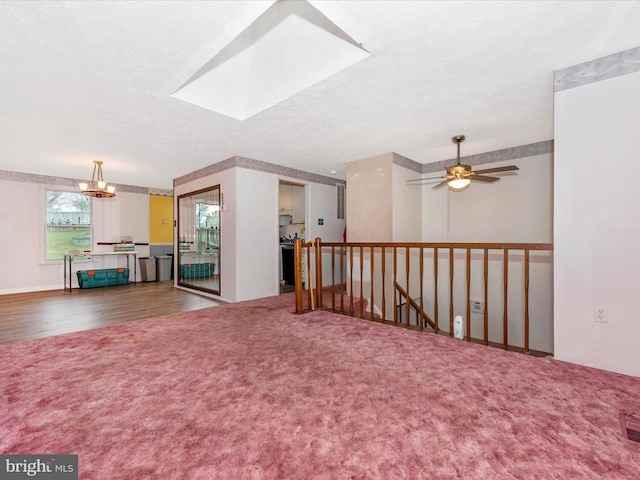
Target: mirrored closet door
[{"x": 199, "y": 240}]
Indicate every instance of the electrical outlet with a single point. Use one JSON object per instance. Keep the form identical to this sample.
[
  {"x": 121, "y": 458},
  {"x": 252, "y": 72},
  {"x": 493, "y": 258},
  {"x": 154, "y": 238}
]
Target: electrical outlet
[{"x": 601, "y": 314}]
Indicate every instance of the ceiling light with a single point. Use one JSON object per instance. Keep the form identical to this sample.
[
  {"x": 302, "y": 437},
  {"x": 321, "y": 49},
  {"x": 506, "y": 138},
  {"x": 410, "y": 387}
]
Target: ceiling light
[
  {"x": 459, "y": 183},
  {"x": 97, "y": 188}
]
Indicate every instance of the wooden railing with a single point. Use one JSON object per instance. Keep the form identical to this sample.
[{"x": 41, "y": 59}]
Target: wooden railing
[{"x": 360, "y": 278}]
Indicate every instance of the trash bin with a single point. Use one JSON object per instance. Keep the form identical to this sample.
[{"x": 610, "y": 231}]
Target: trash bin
[
  {"x": 148, "y": 269},
  {"x": 163, "y": 263},
  {"x": 171, "y": 255}
]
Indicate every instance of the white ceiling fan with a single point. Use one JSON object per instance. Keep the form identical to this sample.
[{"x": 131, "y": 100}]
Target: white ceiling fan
[{"x": 458, "y": 176}]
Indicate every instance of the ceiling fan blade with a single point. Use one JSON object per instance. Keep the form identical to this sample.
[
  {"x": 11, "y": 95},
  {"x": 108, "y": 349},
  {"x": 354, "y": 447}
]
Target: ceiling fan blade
[
  {"x": 441, "y": 184},
  {"x": 418, "y": 180},
  {"x": 498, "y": 169},
  {"x": 483, "y": 178}
]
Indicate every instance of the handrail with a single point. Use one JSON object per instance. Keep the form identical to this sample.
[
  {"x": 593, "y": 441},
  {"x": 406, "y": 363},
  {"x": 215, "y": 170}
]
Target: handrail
[
  {"x": 360, "y": 271},
  {"x": 423, "y": 317}
]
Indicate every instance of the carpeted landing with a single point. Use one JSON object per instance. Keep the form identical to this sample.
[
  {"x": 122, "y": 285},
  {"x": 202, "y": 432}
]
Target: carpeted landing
[{"x": 252, "y": 391}]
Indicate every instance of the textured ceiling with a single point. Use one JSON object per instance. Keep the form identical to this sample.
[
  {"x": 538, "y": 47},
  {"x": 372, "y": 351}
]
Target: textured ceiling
[{"x": 84, "y": 81}]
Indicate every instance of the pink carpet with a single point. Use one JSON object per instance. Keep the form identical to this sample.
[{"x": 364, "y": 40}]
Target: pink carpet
[{"x": 252, "y": 391}]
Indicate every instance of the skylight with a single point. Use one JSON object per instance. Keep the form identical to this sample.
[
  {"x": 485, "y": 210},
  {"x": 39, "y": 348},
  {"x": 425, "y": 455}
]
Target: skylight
[{"x": 289, "y": 48}]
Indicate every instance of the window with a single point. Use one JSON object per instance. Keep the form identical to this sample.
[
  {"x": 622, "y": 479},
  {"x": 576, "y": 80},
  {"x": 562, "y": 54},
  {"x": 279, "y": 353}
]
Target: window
[{"x": 68, "y": 224}]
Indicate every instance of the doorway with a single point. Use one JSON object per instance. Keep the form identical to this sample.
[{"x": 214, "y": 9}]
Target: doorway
[{"x": 291, "y": 225}]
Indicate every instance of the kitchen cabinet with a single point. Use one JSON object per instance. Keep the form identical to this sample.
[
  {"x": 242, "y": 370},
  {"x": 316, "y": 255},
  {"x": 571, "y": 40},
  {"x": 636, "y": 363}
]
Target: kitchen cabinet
[
  {"x": 285, "y": 203},
  {"x": 291, "y": 202},
  {"x": 297, "y": 207}
]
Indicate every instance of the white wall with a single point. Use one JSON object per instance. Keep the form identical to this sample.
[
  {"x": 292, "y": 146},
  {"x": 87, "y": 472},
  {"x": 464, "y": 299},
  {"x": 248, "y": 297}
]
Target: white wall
[
  {"x": 22, "y": 214},
  {"x": 257, "y": 239},
  {"x": 517, "y": 208},
  {"x": 369, "y": 199},
  {"x": 127, "y": 214},
  {"x": 407, "y": 206},
  {"x": 22, "y": 240},
  {"x": 596, "y": 228},
  {"x": 321, "y": 203},
  {"x": 380, "y": 206}
]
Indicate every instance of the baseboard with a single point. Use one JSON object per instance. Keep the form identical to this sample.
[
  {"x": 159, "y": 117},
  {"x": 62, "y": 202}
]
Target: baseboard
[
  {"x": 43, "y": 288},
  {"x": 203, "y": 294}
]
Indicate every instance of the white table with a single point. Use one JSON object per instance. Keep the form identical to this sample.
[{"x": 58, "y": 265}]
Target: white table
[{"x": 68, "y": 258}]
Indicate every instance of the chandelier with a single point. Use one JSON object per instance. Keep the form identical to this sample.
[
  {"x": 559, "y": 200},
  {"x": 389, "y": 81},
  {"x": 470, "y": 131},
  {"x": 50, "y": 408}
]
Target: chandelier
[{"x": 97, "y": 188}]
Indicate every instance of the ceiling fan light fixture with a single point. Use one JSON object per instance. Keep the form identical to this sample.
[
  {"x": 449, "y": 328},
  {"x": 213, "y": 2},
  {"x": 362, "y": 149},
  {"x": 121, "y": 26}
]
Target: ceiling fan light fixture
[
  {"x": 460, "y": 175},
  {"x": 459, "y": 183}
]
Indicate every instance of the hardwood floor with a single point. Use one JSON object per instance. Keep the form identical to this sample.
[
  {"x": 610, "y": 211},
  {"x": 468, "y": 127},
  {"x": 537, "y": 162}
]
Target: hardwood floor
[{"x": 26, "y": 316}]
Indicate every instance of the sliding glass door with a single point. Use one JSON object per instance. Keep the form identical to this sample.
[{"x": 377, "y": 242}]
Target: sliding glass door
[{"x": 199, "y": 240}]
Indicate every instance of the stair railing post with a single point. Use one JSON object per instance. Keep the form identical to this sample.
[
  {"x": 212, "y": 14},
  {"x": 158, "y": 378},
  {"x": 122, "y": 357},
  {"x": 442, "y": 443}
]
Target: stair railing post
[
  {"x": 318, "y": 254},
  {"x": 297, "y": 256}
]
